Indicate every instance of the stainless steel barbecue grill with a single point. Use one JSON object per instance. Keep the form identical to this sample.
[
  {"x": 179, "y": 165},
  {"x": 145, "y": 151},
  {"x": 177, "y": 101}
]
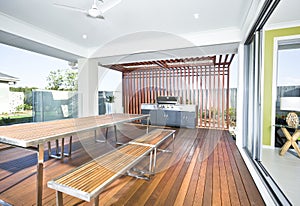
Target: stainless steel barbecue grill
[
  {"x": 169, "y": 112},
  {"x": 167, "y": 100}
]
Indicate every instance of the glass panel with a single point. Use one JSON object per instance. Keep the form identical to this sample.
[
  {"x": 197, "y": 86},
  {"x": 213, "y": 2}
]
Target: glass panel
[
  {"x": 287, "y": 164},
  {"x": 248, "y": 81},
  {"x": 288, "y": 85},
  {"x": 53, "y": 105},
  {"x": 252, "y": 96}
]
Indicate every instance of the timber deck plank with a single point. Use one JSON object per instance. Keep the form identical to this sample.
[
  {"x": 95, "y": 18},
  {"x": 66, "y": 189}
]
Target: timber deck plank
[{"x": 206, "y": 168}]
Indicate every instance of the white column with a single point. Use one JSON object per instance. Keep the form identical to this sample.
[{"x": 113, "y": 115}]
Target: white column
[
  {"x": 111, "y": 80},
  {"x": 87, "y": 87},
  {"x": 240, "y": 100}
]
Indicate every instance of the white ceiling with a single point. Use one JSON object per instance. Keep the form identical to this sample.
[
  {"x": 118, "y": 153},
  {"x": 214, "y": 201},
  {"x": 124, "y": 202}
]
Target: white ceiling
[
  {"x": 132, "y": 26},
  {"x": 286, "y": 14},
  {"x": 129, "y": 16}
]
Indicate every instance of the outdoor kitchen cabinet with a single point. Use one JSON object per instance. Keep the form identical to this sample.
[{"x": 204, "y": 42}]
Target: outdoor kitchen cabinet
[
  {"x": 153, "y": 117},
  {"x": 173, "y": 118},
  {"x": 161, "y": 118},
  {"x": 146, "y": 111},
  {"x": 165, "y": 117},
  {"x": 175, "y": 115},
  {"x": 188, "y": 119}
]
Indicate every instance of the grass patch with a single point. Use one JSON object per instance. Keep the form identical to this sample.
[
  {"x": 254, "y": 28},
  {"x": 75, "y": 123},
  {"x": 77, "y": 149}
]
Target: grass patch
[{"x": 16, "y": 118}]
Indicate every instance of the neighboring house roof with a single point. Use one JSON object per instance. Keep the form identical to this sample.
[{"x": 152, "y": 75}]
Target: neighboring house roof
[{"x": 8, "y": 78}]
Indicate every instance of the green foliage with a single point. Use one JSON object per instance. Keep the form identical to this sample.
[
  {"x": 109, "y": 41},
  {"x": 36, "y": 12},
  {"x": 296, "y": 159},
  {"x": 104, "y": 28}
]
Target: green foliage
[
  {"x": 232, "y": 113},
  {"x": 23, "y": 107},
  {"x": 27, "y": 107},
  {"x": 22, "y": 89},
  {"x": 110, "y": 99},
  {"x": 20, "y": 108},
  {"x": 63, "y": 80}
]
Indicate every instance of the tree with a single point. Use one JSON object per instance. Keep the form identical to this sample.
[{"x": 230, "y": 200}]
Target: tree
[{"x": 63, "y": 80}]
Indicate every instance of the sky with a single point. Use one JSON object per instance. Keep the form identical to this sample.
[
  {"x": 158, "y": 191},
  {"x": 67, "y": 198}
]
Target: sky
[{"x": 31, "y": 68}]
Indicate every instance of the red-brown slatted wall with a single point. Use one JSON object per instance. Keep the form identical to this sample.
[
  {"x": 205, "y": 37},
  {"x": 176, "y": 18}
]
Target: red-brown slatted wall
[{"x": 206, "y": 85}]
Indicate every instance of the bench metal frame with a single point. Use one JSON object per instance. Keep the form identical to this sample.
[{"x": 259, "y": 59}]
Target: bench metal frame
[{"x": 152, "y": 164}]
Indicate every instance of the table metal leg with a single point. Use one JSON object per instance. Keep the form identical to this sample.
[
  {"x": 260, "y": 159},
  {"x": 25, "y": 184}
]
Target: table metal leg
[
  {"x": 59, "y": 198},
  {"x": 148, "y": 120},
  {"x": 60, "y": 154},
  {"x": 173, "y": 136},
  {"x": 40, "y": 167},
  {"x": 96, "y": 201},
  {"x": 115, "y": 129},
  {"x": 102, "y": 141},
  {"x": 57, "y": 146},
  {"x": 70, "y": 146},
  {"x": 49, "y": 149},
  {"x": 106, "y": 133},
  {"x": 95, "y": 135},
  {"x": 154, "y": 160},
  {"x": 150, "y": 162}
]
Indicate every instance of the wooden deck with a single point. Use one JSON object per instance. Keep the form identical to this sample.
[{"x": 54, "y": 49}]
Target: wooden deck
[{"x": 205, "y": 168}]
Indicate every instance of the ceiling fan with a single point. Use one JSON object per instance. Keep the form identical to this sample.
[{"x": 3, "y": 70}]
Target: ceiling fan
[{"x": 95, "y": 11}]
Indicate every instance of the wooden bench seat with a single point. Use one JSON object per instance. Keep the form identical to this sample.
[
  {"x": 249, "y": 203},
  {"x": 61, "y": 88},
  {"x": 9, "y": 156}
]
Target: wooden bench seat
[
  {"x": 155, "y": 137},
  {"x": 87, "y": 181}
]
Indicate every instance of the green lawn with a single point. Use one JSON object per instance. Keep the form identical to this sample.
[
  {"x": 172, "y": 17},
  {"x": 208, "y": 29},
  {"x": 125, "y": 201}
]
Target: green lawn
[{"x": 16, "y": 118}]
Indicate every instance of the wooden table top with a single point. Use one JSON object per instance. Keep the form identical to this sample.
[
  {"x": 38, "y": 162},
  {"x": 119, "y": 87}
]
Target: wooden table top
[{"x": 32, "y": 134}]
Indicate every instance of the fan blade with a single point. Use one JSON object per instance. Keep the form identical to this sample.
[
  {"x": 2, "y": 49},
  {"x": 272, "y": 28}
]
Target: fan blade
[
  {"x": 70, "y": 7},
  {"x": 109, "y": 4},
  {"x": 100, "y": 17},
  {"x": 97, "y": 17}
]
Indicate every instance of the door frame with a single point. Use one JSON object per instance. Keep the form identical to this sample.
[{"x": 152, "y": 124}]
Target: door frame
[{"x": 277, "y": 41}]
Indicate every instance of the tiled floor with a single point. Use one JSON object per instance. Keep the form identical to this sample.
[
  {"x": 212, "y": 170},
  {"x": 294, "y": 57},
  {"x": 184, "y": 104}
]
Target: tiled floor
[{"x": 285, "y": 170}]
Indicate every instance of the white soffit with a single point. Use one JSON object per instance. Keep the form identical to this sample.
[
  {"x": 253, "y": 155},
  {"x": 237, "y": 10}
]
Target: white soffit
[
  {"x": 19, "y": 42},
  {"x": 10, "y": 25},
  {"x": 63, "y": 29},
  {"x": 145, "y": 42},
  {"x": 229, "y": 48}
]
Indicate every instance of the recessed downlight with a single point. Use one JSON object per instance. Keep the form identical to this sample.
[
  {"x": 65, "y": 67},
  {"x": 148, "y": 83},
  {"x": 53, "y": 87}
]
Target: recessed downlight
[
  {"x": 84, "y": 36},
  {"x": 196, "y": 16}
]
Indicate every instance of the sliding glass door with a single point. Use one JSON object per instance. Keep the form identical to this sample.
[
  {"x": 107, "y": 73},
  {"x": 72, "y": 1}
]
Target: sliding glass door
[{"x": 252, "y": 92}]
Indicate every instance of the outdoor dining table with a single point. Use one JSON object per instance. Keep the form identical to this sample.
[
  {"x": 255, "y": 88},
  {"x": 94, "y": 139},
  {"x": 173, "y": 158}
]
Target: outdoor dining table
[{"x": 33, "y": 136}]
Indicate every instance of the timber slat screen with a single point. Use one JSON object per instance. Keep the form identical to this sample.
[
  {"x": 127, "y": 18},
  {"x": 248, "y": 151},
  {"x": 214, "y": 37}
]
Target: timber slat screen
[{"x": 203, "y": 81}]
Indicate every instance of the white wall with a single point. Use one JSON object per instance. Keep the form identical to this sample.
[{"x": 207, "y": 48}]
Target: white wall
[
  {"x": 87, "y": 87},
  {"x": 15, "y": 99},
  {"x": 111, "y": 80},
  {"x": 240, "y": 99},
  {"x": 4, "y": 100}
]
